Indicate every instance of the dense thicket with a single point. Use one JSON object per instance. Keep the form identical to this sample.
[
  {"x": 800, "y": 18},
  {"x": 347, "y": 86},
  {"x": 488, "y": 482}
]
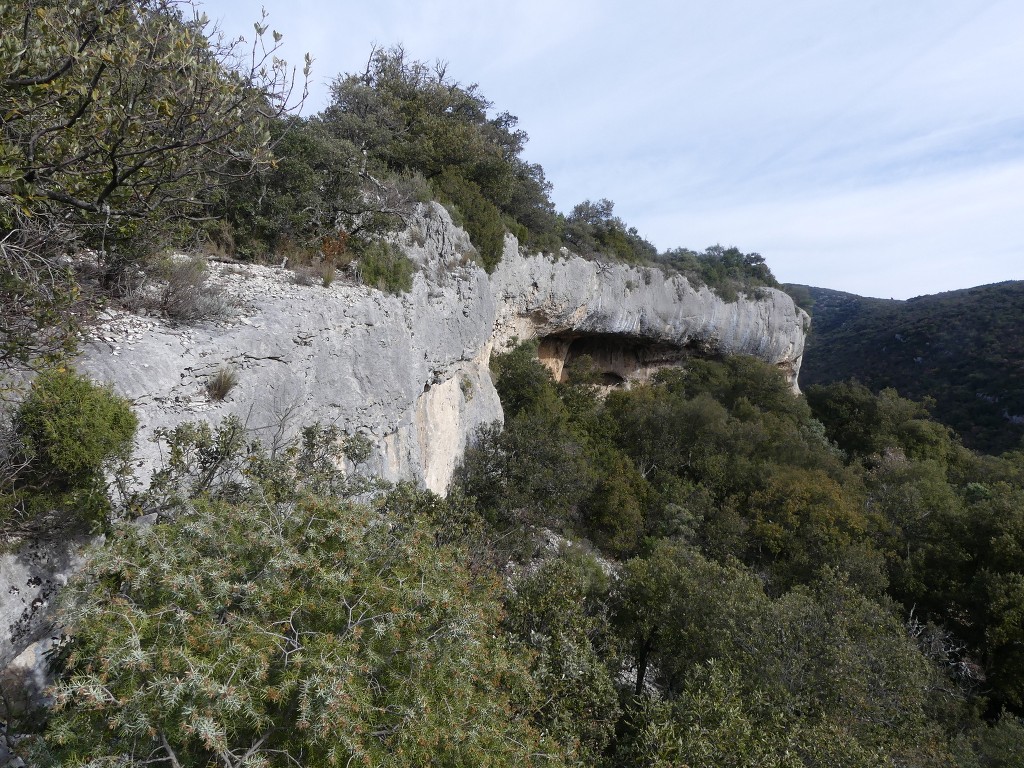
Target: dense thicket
[
  {"x": 743, "y": 577},
  {"x": 823, "y": 581},
  {"x": 746, "y": 578},
  {"x": 961, "y": 349},
  {"x": 403, "y": 131}
]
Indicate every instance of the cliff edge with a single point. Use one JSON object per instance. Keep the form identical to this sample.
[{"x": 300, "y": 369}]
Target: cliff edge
[{"x": 411, "y": 372}]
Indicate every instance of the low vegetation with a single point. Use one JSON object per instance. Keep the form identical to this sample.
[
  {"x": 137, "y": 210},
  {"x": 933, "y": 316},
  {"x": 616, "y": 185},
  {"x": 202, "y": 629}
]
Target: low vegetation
[
  {"x": 744, "y": 577},
  {"x": 384, "y": 266},
  {"x": 221, "y": 383},
  {"x": 185, "y": 293},
  {"x": 62, "y": 440}
]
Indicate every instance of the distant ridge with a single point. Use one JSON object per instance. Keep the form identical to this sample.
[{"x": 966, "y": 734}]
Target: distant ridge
[{"x": 963, "y": 348}]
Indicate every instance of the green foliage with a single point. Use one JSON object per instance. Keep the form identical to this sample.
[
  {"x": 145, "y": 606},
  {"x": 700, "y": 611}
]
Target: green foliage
[
  {"x": 384, "y": 266},
  {"x": 409, "y": 116},
  {"x": 225, "y": 462},
  {"x": 291, "y": 205},
  {"x": 765, "y": 557},
  {"x": 1000, "y": 745},
  {"x": 726, "y": 271},
  {"x": 864, "y": 424},
  {"x": 714, "y": 721},
  {"x": 774, "y": 580},
  {"x": 112, "y": 112},
  {"x": 98, "y": 117},
  {"x": 70, "y": 427},
  {"x": 815, "y": 666},
  {"x": 591, "y": 230},
  {"x": 69, "y": 431},
  {"x": 522, "y": 381},
  {"x": 318, "y": 631},
  {"x": 316, "y": 202},
  {"x": 776, "y": 600},
  {"x": 533, "y": 472},
  {"x": 478, "y": 215},
  {"x": 558, "y": 611},
  {"x": 100, "y": 129},
  {"x": 951, "y": 534},
  {"x": 614, "y": 513},
  {"x": 801, "y": 296},
  {"x": 802, "y": 519},
  {"x": 540, "y": 469}
]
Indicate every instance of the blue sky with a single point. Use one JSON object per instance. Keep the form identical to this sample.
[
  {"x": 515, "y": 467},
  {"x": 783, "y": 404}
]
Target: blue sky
[{"x": 871, "y": 147}]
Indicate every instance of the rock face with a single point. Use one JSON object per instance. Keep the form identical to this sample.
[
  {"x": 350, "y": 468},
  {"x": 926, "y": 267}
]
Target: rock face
[
  {"x": 410, "y": 372},
  {"x": 29, "y": 580},
  {"x": 634, "y": 320}
]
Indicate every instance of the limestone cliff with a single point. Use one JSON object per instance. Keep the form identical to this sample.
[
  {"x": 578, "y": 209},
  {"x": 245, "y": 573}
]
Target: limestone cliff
[{"x": 411, "y": 372}]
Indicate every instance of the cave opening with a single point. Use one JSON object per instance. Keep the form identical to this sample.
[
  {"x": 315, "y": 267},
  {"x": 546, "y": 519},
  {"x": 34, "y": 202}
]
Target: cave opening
[{"x": 616, "y": 360}]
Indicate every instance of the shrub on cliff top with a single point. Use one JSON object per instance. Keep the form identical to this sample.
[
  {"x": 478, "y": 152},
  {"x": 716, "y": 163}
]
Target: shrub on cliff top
[{"x": 385, "y": 267}]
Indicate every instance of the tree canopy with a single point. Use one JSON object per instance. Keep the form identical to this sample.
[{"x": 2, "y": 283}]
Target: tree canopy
[
  {"x": 117, "y": 108},
  {"x": 109, "y": 112}
]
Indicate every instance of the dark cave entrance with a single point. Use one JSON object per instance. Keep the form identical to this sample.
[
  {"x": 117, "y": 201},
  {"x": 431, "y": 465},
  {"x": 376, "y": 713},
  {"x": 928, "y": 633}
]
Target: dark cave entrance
[{"x": 616, "y": 360}]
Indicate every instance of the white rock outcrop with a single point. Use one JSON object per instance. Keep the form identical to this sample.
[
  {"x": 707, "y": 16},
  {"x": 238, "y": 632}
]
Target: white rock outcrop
[{"x": 411, "y": 372}]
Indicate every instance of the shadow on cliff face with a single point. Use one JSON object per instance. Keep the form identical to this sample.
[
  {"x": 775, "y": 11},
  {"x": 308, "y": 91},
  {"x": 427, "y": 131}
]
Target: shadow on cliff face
[
  {"x": 615, "y": 359},
  {"x": 23, "y": 699}
]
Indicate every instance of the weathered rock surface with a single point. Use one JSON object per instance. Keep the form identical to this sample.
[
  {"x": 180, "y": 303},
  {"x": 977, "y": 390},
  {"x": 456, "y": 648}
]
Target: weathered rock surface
[
  {"x": 638, "y": 311},
  {"x": 29, "y": 581},
  {"x": 411, "y": 372}
]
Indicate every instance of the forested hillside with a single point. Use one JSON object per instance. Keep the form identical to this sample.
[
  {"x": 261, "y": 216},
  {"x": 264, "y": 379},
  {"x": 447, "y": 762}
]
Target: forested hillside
[
  {"x": 701, "y": 569},
  {"x": 963, "y": 349}
]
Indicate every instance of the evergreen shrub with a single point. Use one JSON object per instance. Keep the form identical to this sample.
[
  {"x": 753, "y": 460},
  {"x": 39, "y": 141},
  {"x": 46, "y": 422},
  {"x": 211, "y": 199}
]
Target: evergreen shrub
[
  {"x": 69, "y": 430},
  {"x": 385, "y": 267}
]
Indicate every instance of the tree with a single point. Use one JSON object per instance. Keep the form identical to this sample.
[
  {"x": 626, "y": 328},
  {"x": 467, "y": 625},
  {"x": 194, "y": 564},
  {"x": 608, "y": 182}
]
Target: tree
[
  {"x": 109, "y": 111},
  {"x": 409, "y": 116},
  {"x": 800, "y": 521},
  {"x": 727, "y": 271},
  {"x": 117, "y": 108},
  {"x": 559, "y": 610},
  {"x": 674, "y": 608},
  {"x": 592, "y": 229},
  {"x": 822, "y": 673}
]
